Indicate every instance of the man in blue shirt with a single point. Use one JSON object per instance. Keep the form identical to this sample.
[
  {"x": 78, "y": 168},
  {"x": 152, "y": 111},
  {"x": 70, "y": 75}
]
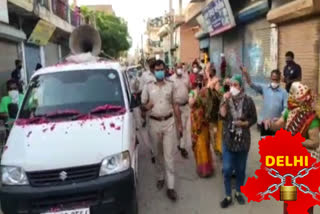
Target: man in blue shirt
[{"x": 274, "y": 98}]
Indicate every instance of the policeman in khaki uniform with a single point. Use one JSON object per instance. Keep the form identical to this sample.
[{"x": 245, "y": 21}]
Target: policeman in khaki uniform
[
  {"x": 146, "y": 78},
  {"x": 157, "y": 98},
  {"x": 182, "y": 86}
]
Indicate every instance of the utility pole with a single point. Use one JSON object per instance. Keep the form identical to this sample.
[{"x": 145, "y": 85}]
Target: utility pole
[
  {"x": 142, "y": 50},
  {"x": 171, "y": 23}
]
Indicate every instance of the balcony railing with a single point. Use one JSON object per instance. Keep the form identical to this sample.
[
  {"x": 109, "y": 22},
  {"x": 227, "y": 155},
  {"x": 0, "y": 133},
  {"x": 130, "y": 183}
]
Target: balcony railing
[
  {"x": 62, "y": 9},
  {"x": 158, "y": 22}
]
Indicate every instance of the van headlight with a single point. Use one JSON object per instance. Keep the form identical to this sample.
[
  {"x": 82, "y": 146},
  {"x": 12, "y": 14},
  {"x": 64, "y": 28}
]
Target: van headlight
[
  {"x": 11, "y": 175},
  {"x": 115, "y": 164}
]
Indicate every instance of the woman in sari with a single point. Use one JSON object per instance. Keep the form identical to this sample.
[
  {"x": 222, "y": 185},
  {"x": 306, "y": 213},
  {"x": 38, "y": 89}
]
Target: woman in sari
[
  {"x": 200, "y": 129},
  {"x": 300, "y": 117}
]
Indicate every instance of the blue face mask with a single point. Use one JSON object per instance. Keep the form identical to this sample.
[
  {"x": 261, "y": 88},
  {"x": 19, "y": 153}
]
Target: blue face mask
[{"x": 159, "y": 75}]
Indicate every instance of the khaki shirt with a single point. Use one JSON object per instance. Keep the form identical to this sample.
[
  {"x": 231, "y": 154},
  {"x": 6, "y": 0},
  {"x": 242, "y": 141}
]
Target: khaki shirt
[
  {"x": 161, "y": 97},
  {"x": 181, "y": 87},
  {"x": 145, "y": 79}
]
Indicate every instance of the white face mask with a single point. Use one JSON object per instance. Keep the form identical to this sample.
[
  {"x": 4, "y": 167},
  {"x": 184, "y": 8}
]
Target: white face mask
[
  {"x": 234, "y": 91},
  {"x": 195, "y": 70},
  {"x": 14, "y": 94},
  {"x": 179, "y": 71},
  {"x": 274, "y": 85}
]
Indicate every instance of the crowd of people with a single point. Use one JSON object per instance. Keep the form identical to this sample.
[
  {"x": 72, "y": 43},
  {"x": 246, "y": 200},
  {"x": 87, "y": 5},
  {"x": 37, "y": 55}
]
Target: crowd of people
[
  {"x": 207, "y": 108},
  {"x": 203, "y": 107},
  {"x": 10, "y": 103}
]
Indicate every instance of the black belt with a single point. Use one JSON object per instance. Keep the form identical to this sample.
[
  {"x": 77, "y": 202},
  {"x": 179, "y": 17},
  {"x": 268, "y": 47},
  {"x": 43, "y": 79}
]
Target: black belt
[{"x": 161, "y": 118}]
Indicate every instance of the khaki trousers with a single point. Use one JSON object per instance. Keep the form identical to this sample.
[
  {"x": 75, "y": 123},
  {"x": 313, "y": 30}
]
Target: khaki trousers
[
  {"x": 185, "y": 140},
  {"x": 163, "y": 136}
]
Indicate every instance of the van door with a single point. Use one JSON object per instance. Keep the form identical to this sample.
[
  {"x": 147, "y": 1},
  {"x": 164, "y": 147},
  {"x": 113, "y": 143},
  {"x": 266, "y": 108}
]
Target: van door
[{"x": 133, "y": 148}]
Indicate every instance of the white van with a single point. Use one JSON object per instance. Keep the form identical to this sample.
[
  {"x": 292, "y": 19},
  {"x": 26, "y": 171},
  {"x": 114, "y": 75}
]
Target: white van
[{"x": 73, "y": 147}]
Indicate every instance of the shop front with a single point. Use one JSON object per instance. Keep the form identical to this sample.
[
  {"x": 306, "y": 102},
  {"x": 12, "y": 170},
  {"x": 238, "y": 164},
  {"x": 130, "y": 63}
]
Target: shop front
[
  {"x": 10, "y": 46},
  {"x": 292, "y": 28}
]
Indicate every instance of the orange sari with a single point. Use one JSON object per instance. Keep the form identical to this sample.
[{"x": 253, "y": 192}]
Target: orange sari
[{"x": 201, "y": 136}]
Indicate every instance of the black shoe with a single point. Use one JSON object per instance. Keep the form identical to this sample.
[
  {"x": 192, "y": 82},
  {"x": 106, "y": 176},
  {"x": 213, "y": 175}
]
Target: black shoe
[
  {"x": 184, "y": 152},
  {"x": 240, "y": 199},
  {"x": 172, "y": 195},
  {"x": 153, "y": 160},
  {"x": 234, "y": 174},
  {"x": 160, "y": 184},
  {"x": 226, "y": 203}
]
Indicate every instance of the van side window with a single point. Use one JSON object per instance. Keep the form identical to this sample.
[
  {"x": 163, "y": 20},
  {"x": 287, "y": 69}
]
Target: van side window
[{"x": 127, "y": 86}]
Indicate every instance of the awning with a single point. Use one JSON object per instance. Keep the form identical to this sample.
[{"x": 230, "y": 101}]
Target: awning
[
  {"x": 251, "y": 12},
  {"x": 11, "y": 33},
  {"x": 202, "y": 35}
]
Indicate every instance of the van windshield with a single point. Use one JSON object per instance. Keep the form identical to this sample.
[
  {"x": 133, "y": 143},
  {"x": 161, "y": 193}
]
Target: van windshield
[{"x": 72, "y": 93}]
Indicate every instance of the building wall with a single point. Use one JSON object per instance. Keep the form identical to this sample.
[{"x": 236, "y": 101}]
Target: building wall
[
  {"x": 293, "y": 37},
  {"x": 189, "y": 45},
  {"x": 102, "y": 8}
]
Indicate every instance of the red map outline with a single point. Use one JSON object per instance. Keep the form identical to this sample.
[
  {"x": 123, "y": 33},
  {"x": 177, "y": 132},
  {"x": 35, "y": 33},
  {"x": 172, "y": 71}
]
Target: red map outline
[{"x": 284, "y": 144}]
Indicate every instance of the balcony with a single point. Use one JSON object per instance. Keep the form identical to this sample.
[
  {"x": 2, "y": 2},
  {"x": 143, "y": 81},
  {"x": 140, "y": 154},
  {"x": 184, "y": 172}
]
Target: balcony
[
  {"x": 76, "y": 17},
  {"x": 179, "y": 19},
  {"x": 61, "y": 9},
  {"x": 154, "y": 44},
  {"x": 293, "y": 10},
  {"x": 157, "y": 23}
]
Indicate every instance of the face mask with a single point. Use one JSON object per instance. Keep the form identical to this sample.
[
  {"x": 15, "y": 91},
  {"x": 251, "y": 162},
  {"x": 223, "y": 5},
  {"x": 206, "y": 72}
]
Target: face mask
[
  {"x": 274, "y": 85},
  {"x": 289, "y": 62},
  {"x": 195, "y": 70},
  {"x": 234, "y": 91},
  {"x": 179, "y": 71},
  {"x": 159, "y": 75},
  {"x": 14, "y": 94}
]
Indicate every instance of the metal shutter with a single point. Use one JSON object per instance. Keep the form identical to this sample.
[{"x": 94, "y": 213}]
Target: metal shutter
[
  {"x": 32, "y": 53},
  {"x": 302, "y": 37},
  {"x": 51, "y": 54},
  {"x": 257, "y": 49},
  {"x": 8, "y": 55},
  {"x": 233, "y": 45}
]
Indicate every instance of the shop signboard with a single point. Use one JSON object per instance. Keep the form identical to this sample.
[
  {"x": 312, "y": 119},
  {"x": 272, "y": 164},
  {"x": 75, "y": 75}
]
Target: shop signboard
[
  {"x": 4, "y": 11},
  {"x": 42, "y": 33},
  {"x": 219, "y": 16}
]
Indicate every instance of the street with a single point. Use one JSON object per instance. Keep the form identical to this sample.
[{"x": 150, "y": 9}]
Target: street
[{"x": 197, "y": 196}]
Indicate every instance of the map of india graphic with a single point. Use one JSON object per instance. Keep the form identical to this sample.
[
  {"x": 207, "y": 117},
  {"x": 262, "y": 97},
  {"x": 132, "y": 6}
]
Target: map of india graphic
[{"x": 285, "y": 162}]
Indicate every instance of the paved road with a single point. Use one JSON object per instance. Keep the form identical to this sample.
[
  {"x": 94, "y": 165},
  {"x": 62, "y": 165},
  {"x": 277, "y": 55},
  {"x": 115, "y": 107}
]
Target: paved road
[{"x": 197, "y": 196}]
